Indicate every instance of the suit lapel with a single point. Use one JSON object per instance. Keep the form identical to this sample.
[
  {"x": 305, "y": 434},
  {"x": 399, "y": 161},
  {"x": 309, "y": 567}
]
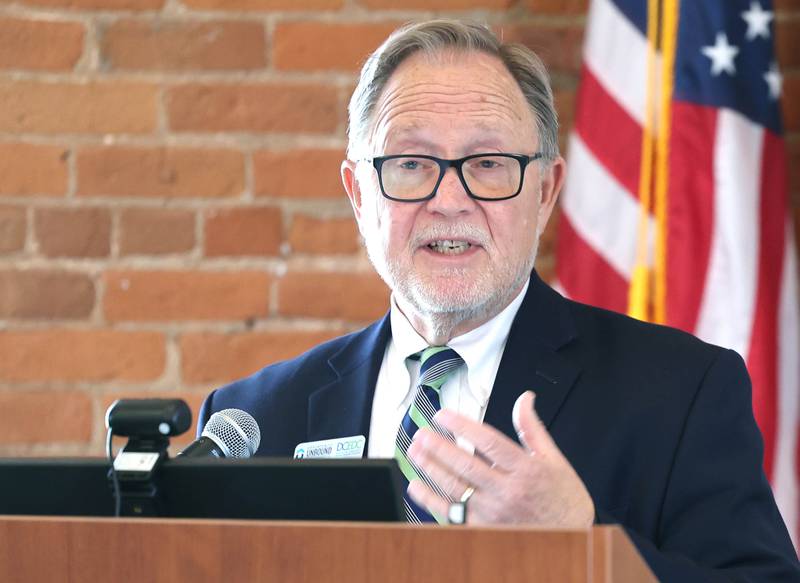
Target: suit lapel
[
  {"x": 344, "y": 406},
  {"x": 531, "y": 359}
]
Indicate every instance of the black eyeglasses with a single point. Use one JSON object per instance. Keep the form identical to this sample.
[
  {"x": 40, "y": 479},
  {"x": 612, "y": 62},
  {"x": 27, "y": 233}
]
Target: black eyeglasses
[{"x": 416, "y": 177}]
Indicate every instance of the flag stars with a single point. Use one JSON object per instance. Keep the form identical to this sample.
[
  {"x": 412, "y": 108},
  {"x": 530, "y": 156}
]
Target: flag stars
[
  {"x": 758, "y": 21},
  {"x": 774, "y": 79},
  {"x": 722, "y": 55}
]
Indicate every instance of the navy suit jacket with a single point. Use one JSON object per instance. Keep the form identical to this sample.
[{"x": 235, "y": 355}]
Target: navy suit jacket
[{"x": 658, "y": 425}]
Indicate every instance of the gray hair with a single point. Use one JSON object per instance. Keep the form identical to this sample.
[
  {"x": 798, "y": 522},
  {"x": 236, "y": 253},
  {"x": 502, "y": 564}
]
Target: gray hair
[{"x": 433, "y": 38}]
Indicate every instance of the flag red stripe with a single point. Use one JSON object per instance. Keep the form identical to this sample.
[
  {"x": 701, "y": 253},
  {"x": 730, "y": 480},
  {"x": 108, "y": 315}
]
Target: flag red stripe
[
  {"x": 610, "y": 133},
  {"x": 762, "y": 357},
  {"x": 690, "y": 205},
  {"x": 580, "y": 267}
]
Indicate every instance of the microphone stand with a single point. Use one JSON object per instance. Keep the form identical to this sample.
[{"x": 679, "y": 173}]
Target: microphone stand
[{"x": 134, "y": 476}]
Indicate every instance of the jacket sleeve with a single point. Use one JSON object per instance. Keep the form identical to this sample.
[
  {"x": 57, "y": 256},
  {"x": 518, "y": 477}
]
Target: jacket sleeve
[
  {"x": 719, "y": 521},
  {"x": 204, "y": 414}
]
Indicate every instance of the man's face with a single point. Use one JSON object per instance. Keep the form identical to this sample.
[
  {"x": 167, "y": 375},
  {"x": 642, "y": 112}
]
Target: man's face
[{"x": 453, "y": 253}]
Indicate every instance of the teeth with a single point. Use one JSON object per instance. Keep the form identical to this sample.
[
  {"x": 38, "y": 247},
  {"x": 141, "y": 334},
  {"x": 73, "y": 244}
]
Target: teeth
[{"x": 450, "y": 247}]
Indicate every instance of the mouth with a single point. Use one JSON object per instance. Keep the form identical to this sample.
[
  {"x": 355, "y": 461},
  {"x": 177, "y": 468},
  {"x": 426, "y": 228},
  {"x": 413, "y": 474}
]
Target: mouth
[{"x": 450, "y": 246}]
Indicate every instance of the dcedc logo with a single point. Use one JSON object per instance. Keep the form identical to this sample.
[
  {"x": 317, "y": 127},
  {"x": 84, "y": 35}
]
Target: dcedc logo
[{"x": 347, "y": 445}]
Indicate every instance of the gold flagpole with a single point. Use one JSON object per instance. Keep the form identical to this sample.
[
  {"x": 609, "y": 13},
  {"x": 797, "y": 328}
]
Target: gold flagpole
[
  {"x": 669, "y": 42},
  {"x": 639, "y": 300}
]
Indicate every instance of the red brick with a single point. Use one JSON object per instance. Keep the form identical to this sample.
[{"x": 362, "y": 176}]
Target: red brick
[
  {"x": 282, "y": 5},
  {"x": 210, "y": 357},
  {"x": 349, "y": 296},
  {"x": 185, "y": 295},
  {"x": 254, "y": 108},
  {"x": 12, "y": 229},
  {"x": 323, "y": 236},
  {"x": 565, "y": 106},
  {"x": 797, "y": 226},
  {"x": 318, "y": 46},
  {"x": 546, "y": 257},
  {"x": 67, "y": 417},
  {"x": 164, "y": 45},
  {"x": 298, "y": 173},
  {"x": 243, "y": 231},
  {"x": 98, "y": 107},
  {"x": 98, "y": 4},
  {"x": 796, "y": 213},
  {"x": 438, "y": 4},
  {"x": 547, "y": 242},
  {"x": 546, "y": 268},
  {"x": 193, "y": 399},
  {"x": 558, "y": 46},
  {"x": 81, "y": 355},
  {"x": 45, "y": 294},
  {"x": 790, "y": 101},
  {"x": 787, "y": 5},
  {"x": 787, "y": 43},
  {"x": 40, "y": 45},
  {"x": 565, "y": 7},
  {"x": 160, "y": 172},
  {"x": 156, "y": 231},
  {"x": 29, "y": 169},
  {"x": 73, "y": 232}
]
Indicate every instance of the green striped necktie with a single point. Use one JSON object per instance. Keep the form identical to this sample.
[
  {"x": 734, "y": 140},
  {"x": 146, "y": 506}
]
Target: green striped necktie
[{"x": 438, "y": 363}]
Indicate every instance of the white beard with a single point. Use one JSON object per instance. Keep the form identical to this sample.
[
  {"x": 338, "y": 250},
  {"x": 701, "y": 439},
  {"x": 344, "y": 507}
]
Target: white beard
[{"x": 468, "y": 296}]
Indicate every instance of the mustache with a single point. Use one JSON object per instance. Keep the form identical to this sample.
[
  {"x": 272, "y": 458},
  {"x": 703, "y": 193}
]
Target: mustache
[{"x": 456, "y": 231}]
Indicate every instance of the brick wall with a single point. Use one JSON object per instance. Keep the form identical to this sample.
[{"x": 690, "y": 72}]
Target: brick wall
[{"x": 171, "y": 216}]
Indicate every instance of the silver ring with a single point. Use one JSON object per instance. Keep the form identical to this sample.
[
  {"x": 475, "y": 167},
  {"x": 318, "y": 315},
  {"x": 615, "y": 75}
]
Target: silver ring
[{"x": 457, "y": 511}]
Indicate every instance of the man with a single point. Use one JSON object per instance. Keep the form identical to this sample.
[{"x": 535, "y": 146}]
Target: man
[{"x": 453, "y": 171}]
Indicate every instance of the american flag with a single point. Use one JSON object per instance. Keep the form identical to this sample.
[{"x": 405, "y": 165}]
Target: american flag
[{"x": 676, "y": 205}]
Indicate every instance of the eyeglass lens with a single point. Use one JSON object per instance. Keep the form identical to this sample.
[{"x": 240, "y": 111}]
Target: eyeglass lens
[{"x": 486, "y": 176}]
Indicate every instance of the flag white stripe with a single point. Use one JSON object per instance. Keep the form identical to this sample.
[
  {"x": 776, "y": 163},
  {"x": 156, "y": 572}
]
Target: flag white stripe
[
  {"x": 785, "y": 482},
  {"x": 601, "y": 210},
  {"x": 616, "y": 52},
  {"x": 728, "y": 305}
]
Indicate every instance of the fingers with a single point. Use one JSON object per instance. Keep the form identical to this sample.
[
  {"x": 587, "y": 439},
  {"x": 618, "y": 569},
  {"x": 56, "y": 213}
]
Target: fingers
[
  {"x": 511, "y": 485},
  {"x": 501, "y": 451},
  {"x": 427, "y": 498},
  {"x": 531, "y": 431},
  {"x": 449, "y": 466}
]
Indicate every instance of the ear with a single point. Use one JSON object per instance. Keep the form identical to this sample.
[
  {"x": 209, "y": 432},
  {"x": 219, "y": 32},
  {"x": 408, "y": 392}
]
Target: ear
[
  {"x": 352, "y": 187},
  {"x": 552, "y": 182}
]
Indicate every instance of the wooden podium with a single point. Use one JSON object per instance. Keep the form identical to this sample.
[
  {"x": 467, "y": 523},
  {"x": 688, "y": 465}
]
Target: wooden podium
[{"x": 56, "y": 549}]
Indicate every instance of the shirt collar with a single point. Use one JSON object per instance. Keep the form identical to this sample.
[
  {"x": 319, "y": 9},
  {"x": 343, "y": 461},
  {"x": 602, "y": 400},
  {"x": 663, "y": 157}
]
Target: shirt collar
[{"x": 480, "y": 348}]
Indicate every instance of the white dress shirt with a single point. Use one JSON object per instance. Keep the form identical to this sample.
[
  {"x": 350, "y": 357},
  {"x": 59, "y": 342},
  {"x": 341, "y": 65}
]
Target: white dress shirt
[{"x": 467, "y": 391}]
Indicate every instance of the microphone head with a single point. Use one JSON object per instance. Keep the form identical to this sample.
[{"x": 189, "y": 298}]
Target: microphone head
[{"x": 235, "y": 432}]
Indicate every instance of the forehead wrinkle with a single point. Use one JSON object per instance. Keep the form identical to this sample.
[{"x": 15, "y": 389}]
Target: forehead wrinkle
[
  {"x": 480, "y": 95},
  {"x": 438, "y": 103},
  {"x": 486, "y": 99},
  {"x": 479, "y": 118}
]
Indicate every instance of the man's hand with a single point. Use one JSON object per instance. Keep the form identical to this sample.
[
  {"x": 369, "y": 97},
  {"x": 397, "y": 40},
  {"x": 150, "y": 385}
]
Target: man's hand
[{"x": 528, "y": 484}]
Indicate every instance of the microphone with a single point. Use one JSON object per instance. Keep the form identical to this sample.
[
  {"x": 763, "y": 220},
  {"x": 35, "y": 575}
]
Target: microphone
[{"x": 230, "y": 433}]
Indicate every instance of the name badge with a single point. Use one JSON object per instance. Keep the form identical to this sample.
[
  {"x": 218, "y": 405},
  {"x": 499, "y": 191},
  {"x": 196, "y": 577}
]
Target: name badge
[{"x": 340, "y": 448}]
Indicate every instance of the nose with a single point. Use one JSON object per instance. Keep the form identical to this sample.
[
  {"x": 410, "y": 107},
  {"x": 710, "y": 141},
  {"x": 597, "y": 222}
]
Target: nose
[{"x": 451, "y": 198}]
